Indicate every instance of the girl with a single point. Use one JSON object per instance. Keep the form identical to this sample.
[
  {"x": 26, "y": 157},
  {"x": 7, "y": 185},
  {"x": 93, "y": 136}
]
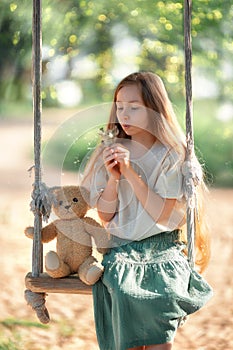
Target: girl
[{"x": 148, "y": 286}]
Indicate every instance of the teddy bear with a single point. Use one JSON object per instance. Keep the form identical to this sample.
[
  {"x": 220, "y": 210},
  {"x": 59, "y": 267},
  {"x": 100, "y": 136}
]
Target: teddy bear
[{"x": 75, "y": 233}]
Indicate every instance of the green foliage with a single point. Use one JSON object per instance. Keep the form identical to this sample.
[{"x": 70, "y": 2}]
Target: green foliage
[
  {"x": 213, "y": 141},
  {"x": 75, "y": 138},
  {"x": 96, "y": 32},
  {"x": 213, "y": 138},
  {"x": 92, "y": 30},
  {"x": 67, "y": 153},
  {"x": 15, "y": 46},
  {"x": 80, "y": 148}
]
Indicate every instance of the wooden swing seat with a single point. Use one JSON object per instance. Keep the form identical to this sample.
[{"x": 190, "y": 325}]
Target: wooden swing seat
[{"x": 46, "y": 284}]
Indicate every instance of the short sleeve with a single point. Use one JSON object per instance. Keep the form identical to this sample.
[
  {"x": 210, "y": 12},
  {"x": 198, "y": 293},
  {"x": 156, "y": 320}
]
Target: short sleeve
[{"x": 169, "y": 182}]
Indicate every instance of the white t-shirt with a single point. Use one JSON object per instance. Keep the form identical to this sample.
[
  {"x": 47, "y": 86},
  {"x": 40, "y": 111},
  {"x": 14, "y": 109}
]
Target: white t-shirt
[{"x": 160, "y": 168}]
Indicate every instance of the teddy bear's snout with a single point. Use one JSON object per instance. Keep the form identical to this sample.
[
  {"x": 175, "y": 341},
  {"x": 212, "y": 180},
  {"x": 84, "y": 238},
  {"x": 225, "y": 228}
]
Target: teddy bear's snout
[{"x": 67, "y": 207}]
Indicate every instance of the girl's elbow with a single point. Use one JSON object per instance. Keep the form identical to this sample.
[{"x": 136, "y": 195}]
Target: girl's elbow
[
  {"x": 106, "y": 217},
  {"x": 173, "y": 215}
]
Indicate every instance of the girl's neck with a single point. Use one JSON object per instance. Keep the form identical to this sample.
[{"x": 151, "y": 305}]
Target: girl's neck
[{"x": 147, "y": 139}]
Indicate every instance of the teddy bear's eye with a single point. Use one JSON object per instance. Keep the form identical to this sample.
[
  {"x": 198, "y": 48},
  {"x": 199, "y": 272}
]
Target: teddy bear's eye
[
  {"x": 60, "y": 202},
  {"x": 75, "y": 200}
]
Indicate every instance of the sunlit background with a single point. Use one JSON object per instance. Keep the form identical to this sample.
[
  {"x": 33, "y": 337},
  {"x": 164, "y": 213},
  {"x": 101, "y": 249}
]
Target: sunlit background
[{"x": 88, "y": 46}]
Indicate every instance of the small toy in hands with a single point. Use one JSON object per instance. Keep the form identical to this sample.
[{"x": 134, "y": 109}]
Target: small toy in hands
[{"x": 108, "y": 136}]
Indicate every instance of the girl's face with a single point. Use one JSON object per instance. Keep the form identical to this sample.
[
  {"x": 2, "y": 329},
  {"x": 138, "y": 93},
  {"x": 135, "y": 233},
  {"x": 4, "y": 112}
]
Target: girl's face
[{"x": 131, "y": 111}]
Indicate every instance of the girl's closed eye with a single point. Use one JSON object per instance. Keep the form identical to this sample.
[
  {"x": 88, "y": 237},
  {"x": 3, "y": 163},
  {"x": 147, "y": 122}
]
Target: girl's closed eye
[
  {"x": 131, "y": 107},
  {"x": 135, "y": 107},
  {"x": 119, "y": 107}
]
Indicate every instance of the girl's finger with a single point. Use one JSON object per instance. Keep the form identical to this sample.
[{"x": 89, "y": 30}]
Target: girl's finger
[
  {"x": 122, "y": 158},
  {"x": 111, "y": 165},
  {"x": 107, "y": 152},
  {"x": 119, "y": 149},
  {"x": 109, "y": 158}
]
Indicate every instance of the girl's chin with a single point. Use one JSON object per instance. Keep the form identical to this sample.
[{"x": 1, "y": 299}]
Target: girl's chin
[
  {"x": 131, "y": 130},
  {"x": 127, "y": 129}
]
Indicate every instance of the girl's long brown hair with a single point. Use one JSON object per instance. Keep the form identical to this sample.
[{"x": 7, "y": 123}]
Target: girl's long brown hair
[{"x": 169, "y": 132}]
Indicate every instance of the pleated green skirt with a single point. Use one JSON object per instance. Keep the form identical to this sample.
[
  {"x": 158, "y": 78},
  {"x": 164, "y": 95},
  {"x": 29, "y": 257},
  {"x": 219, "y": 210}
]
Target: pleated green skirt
[{"x": 145, "y": 291}]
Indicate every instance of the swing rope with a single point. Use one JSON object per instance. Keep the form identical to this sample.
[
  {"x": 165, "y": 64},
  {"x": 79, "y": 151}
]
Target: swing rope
[
  {"x": 191, "y": 172},
  {"x": 41, "y": 205},
  {"x": 37, "y": 266}
]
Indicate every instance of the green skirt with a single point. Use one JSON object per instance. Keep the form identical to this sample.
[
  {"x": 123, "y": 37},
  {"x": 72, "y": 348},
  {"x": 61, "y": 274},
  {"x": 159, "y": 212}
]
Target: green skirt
[{"x": 145, "y": 291}]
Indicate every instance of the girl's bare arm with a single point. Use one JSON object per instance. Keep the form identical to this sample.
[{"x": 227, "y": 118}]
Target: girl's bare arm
[{"x": 108, "y": 201}]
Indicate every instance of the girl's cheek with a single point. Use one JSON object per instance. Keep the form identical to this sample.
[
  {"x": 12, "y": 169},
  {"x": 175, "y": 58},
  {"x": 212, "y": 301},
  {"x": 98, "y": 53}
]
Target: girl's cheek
[{"x": 119, "y": 118}]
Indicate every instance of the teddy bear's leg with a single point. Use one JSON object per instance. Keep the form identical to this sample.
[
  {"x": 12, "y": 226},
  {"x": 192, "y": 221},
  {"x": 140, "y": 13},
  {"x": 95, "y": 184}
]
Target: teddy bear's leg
[
  {"x": 55, "y": 267},
  {"x": 90, "y": 271}
]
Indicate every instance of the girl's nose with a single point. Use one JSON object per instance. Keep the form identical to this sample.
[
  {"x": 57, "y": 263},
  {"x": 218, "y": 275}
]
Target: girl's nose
[
  {"x": 126, "y": 116},
  {"x": 125, "y": 112}
]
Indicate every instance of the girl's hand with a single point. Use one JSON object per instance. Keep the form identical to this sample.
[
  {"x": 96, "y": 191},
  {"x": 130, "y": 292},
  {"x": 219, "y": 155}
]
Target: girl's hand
[
  {"x": 111, "y": 163},
  {"x": 116, "y": 160}
]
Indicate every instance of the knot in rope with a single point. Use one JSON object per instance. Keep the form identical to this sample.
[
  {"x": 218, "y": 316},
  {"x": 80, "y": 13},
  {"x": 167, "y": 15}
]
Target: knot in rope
[
  {"x": 192, "y": 177},
  {"x": 37, "y": 302},
  {"x": 41, "y": 201}
]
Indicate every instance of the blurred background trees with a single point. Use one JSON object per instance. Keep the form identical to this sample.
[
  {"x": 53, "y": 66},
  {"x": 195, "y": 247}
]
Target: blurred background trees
[{"x": 88, "y": 46}]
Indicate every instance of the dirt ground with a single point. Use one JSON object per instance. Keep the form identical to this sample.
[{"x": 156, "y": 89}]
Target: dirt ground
[{"x": 72, "y": 326}]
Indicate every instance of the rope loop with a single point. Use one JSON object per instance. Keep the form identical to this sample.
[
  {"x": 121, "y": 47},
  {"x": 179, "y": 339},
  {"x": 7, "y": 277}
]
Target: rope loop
[
  {"x": 192, "y": 178},
  {"x": 41, "y": 201},
  {"x": 37, "y": 302}
]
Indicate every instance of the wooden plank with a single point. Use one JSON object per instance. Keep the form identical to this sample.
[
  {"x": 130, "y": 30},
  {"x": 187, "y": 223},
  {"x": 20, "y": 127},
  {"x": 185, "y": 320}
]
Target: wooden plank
[{"x": 46, "y": 284}]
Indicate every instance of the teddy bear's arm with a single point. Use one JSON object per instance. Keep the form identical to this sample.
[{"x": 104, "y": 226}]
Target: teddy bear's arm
[
  {"x": 48, "y": 233},
  {"x": 100, "y": 235},
  {"x": 91, "y": 223}
]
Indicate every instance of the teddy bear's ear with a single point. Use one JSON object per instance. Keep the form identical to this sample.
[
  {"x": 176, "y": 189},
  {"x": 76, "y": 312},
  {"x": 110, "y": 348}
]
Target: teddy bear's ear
[
  {"x": 52, "y": 193},
  {"x": 54, "y": 188}
]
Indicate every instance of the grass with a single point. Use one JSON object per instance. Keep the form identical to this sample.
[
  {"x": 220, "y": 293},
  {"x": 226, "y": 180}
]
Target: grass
[
  {"x": 10, "y": 332},
  {"x": 66, "y": 329},
  {"x": 17, "y": 334},
  {"x": 12, "y": 322},
  {"x": 10, "y": 344}
]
